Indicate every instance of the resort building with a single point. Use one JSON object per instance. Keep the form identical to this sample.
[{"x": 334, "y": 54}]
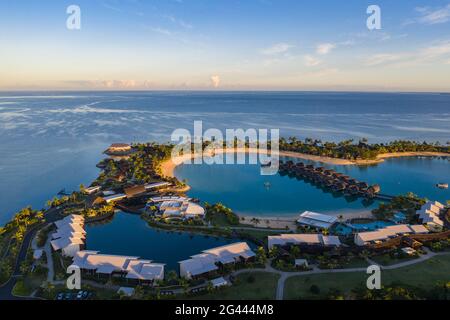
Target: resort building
[
  {"x": 157, "y": 185},
  {"x": 316, "y": 220},
  {"x": 130, "y": 268},
  {"x": 306, "y": 239},
  {"x": 118, "y": 149},
  {"x": 70, "y": 236},
  {"x": 429, "y": 214},
  {"x": 390, "y": 232},
  {"x": 92, "y": 190},
  {"x": 115, "y": 197},
  {"x": 134, "y": 191},
  {"x": 176, "y": 208},
  {"x": 211, "y": 260}
]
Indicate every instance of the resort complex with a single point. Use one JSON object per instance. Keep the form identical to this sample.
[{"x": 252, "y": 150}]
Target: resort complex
[
  {"x": 306, "y": 241},
  {"x": 391, "y": 232},
  {"x": 70, "y": 236},
  {"x": 176, "y": 208},
  {"x": 430, "y": 214},
  {"x": 403, "y": 227},
  {"x": 132, "y": 269},
  {"x": 211, "y": 260}
]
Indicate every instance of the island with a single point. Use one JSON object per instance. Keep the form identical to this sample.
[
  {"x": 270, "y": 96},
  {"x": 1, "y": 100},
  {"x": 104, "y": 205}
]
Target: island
[{"x": 270, "y": 259}]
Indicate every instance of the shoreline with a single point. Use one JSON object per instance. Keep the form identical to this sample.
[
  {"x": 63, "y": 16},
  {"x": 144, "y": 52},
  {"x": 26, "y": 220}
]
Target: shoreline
[
  {"x": 168, "y": 166},
  {"x": 280, "y": 222}
]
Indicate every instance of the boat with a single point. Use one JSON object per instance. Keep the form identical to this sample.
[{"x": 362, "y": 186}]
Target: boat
[
  {"x": 442, "y": 185},
  {"x": 267, "y": 185}
]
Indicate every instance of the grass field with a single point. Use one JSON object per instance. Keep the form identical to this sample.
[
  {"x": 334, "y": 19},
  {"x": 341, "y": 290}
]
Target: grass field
[
  {"x": 424, "y": 275},
  {"x": 263, "y": 287}
]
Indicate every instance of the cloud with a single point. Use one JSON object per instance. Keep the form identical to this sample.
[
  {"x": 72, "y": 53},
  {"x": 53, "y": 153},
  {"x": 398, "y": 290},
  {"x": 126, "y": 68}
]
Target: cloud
[
  {"x": 311, "y": 61},
  {"x": 162, "y": 31},
  {"x": 278, "y": 48},
  {"x": 325, "y": 48},
  {"x": 431, "y": 16},
  {"x": 382, "y": 58},
  {"x": 215, "y": 81},
  {"x": 435, "y": 52},
  {"x": 177, "y": 21}
]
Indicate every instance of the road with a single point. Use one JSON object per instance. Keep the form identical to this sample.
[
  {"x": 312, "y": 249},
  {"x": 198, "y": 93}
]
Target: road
[
  {"x": 284, "y": 275},
  {"x": 6, "y": 290}
]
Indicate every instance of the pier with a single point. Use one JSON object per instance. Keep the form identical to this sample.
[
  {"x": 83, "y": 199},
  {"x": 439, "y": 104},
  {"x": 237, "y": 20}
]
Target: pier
[{"x": 330, "y": 179}]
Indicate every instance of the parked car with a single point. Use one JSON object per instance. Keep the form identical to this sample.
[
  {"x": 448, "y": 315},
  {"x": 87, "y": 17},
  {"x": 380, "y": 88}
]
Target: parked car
[
  {"x": 60, "y": 296},
  {"x": 80, "y": 295}
]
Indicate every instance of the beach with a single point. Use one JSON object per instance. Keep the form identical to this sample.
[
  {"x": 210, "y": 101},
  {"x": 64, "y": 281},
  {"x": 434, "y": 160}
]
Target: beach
[{"x": 168, "y": 166}]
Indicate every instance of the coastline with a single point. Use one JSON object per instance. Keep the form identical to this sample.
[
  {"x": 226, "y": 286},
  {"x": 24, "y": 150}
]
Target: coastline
[
  {"x": 168, "y": 166},
  {"x": 281, "y": 222}
]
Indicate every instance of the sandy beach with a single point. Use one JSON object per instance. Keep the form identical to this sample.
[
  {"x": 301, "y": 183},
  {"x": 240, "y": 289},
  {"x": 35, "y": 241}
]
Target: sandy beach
[
  {"x": 168, "y": 166},
  {"x": 274, "y": 222}
]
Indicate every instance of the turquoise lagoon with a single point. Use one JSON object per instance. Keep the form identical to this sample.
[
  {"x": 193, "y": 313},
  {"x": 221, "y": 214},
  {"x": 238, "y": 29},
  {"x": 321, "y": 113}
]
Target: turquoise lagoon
[
  {"x": 128, "y": 234},
  {"x": 242, "y": 188}
]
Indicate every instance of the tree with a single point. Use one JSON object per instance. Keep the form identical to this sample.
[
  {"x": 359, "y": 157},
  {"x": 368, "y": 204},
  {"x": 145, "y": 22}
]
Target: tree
[
  {"x": 261, "y": 256},
  {"x": 295, "y": 251}
]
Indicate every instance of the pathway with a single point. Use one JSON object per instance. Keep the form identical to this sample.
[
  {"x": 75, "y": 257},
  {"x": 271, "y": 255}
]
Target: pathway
[{"x": 284, "y": 275}]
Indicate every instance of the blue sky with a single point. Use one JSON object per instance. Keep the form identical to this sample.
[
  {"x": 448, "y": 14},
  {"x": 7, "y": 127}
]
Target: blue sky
[{"x": 225, "y": 45}]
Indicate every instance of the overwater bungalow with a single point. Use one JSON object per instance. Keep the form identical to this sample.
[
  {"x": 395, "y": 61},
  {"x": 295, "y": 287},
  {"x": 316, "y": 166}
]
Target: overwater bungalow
[
  {"x": 363, "y": 186},
  {"x": 353, "y": 189},
  {"x": 339, "y": 187}
]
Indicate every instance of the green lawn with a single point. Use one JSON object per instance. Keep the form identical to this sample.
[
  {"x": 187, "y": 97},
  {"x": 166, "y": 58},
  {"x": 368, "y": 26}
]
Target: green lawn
[
  {"x": 387, "y": 260},
  {"x": 263, "y": 287},
  {"x": 21, "y": 290},
  {"x": 424, "y": 275}
]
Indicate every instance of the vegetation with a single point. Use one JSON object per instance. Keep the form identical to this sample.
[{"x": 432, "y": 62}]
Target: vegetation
[
  {"x": 425, "y": 279},
  {"x": 251, "y": 285},
  {"x": 219, "y": 215},
  {"x": 408, "y": 204},
  {"x": 13, "y": 234},
  {"x": 350, "y": 150}
]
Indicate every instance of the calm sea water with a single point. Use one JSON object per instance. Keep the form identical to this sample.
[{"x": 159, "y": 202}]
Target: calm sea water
[
  {"x": 50, "y": 141},
  {"x": 130, "y": 235},
  {"x": 242, "y": 188}
]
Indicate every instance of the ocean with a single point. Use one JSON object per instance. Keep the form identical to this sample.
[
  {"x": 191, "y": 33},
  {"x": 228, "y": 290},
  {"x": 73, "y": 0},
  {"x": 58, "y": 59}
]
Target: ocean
[{"x": 52, "y": 140}]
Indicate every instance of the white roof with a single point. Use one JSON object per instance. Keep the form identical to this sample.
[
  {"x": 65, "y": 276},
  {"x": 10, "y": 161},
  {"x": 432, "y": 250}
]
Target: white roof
[
  {"x": 63, "y": 243},
  {"x": 303, "y": 238},
  {"x": 181, "y": 208},
  {"x": 206, "y": 261},
  {"x": 301, "y": 262},
  {"x": 235, "y": 250},
  {"x": 429, "y": 213},
  {"x": 156, "y": 185},
  {"x": 435, "y": 203},
  {"x": 144, "y": 270},
  {"x": 316, "y": 219},
  {"x": 218, "y": 282},
  {"x": 166, "y": 198},
  {"x": 70, "y": 232},
  {"x": 194, "y": 209},
  {"x": 115, "y": 197},
  {"x": 390, "y": 231},
  {"x": 199, "y": 265},
  {"x": 134, "y": 267},
  {"x": 126, "y": 291}
]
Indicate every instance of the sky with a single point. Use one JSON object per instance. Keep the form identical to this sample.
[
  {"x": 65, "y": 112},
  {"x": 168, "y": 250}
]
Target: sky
[{"x": 225, "y": 45}]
